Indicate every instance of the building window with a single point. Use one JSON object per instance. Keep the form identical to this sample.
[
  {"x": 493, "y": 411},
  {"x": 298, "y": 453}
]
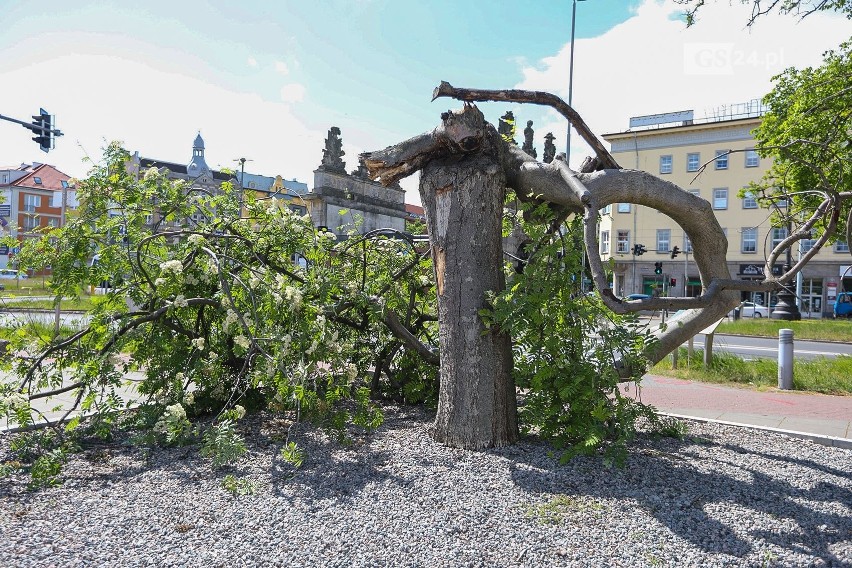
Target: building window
[
  {"x": 604, "y": 242},
  {"x": 693, "y": 162},
  {"x": 720, "y": 198},
  {"x": 841, "y": 246},
  {"x": 752, "y": 160},
  {"x": 687, "y": 243},
  {"x": 664, "y": 239},
  {"x": 53, "y": 222},
  {"x": 721, "y": 159},
  {"x": 749, "y": 240},
  {"x": 807, "y": 244},
  {"x": 30, "y": 223},
  {"x": 622, "y": 241},
  {"x": 606, "y": 210},
  {"x": 665, "y": 164},
  {"x": 778, "y": 235},
  {"x": 149, "y": 219},
  {"x": 749, "y": 202},
  {"x": 624, "y": 208},
  {"x": 31, "y": 202},
  {"x": 37, "y": 180}
]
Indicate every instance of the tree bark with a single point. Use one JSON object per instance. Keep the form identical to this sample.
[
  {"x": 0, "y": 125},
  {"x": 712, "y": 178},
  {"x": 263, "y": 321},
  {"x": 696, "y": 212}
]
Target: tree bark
[{"x": 464, "y": 203}]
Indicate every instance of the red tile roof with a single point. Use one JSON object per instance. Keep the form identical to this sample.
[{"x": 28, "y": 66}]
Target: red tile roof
[{"x": 51, "y": 178}]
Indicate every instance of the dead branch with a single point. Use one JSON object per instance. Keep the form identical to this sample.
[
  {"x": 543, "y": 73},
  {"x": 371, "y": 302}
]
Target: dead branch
[{"x": 533, "y": 97}]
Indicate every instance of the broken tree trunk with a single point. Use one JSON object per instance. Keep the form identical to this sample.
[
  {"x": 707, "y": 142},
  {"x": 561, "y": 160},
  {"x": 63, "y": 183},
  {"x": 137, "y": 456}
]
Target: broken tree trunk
[
  {"x": 462, "y": 188},
  {"x": 464, "y": 205}
]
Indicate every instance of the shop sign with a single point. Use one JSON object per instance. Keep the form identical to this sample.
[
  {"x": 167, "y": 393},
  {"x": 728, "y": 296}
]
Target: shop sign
[
  {"x": 757, "y": 270},
  {"x": 831, "y": 291}
]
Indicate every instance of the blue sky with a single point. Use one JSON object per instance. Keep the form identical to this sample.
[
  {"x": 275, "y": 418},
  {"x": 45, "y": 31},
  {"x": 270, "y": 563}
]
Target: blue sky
[{"x": 266, "y": 80}]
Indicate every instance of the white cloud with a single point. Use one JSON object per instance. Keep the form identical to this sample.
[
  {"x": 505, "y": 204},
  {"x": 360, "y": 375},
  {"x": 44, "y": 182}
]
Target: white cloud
[
  {"x": 293, "y": 93},
  {"x": 282, "y": 68},
  {"x": 156, "y": 113},
  {"x": 651, "y": 64},
  {"x": 252, "y": 62}
]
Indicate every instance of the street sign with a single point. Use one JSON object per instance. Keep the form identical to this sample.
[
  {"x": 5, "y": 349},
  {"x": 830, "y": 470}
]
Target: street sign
[
  {"x": 4, "y": 249},
  {"x": 16, "y": 250}
]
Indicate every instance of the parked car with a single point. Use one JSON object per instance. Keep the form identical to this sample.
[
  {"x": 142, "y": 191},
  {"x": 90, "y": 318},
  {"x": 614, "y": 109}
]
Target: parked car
[
  {"x": 751, "y": 310},
  {"x": 843, "y": 305},
  {"x": 9, "y": 273},
  {"x": 637, "y": 297}
]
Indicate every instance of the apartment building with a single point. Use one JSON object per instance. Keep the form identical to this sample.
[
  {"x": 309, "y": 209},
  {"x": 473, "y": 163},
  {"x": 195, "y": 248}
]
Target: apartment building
[
  {"x": 31, "y": 203},
  {"x": 694, "y": 154}
]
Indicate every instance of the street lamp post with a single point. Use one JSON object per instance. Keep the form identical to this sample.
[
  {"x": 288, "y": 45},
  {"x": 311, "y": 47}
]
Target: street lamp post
[
  {"x": 242, "y": 162},
  {"x": 571, "y": 77},
  {"x": 786, "y": 308}
]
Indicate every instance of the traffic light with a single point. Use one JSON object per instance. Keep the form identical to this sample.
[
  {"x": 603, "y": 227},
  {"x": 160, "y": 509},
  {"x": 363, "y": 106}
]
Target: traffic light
[
  {"x": 658, "y": 268},
  {"x": 672, "y": 282},
  {"x": 639, "y": 250},
  {"x": 675, "y": 252},
  {"x": 43, "y": 129}
]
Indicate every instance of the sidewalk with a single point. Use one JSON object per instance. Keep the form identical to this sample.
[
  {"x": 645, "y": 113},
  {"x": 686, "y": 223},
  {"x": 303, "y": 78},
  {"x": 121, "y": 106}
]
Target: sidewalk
[{"x": 821, "y": 418}]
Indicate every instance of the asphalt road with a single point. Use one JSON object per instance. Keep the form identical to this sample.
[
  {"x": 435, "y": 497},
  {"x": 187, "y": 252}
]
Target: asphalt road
[{"x": 767, "y": 348}]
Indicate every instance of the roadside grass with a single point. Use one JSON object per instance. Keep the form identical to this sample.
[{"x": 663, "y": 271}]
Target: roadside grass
[
  {"x": 17, "y": 292},
  {"x": 823, "y": 375},
  {"x": 37, "y": 330},
  {"x": 816, "y": 329},
  {"x": 84, "y": 303}
]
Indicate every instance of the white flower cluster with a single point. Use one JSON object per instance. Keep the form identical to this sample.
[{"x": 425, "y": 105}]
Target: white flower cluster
[
  {"x": 312, "y": 348},
  {"x": 239, "y": 412},
  {"x": 196, "y": 240},
  {"x": 14, "y": 400},
  {"x": 180, "y": 301},
  {"x": 242, "y": 341},
  {"x": 351, "y": 372},
  {"x": 230, "y": 319},
  {"x": 294, "y": 296},
  {"x": 175, "y": 266},
  {"x": 198, "y": 343},
  {"x": 173, "y": 415}
]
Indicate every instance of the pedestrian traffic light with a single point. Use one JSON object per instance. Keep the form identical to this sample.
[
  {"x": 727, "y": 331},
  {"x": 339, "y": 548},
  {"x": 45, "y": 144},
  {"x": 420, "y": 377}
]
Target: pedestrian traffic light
[
  {"x": 675, "y": 252},
  {"x": 639, "y": 250},
  {"x": 658, "y": 268},
  {"x": 43, "y": 129},
  {"x": 672, "y": 282}
]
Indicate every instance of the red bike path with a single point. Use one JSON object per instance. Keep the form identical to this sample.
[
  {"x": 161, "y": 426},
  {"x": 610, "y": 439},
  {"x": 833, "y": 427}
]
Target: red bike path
[{"x": 822, "y": 418}]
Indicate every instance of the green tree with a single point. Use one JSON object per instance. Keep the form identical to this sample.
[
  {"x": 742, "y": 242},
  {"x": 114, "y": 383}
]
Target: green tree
[
  {"x": 808, "y": 134},
  {"x": 759, "y": 8}
]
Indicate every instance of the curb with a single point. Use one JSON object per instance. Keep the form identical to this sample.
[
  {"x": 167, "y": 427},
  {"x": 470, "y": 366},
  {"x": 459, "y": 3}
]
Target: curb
[{"x": 831, "y": 441}]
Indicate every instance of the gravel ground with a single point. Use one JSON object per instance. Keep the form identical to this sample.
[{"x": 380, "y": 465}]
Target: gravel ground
[{"x": 723, "y": 496}]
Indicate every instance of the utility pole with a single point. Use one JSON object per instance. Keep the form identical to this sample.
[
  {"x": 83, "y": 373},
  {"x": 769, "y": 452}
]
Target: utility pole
[{"x": 58, "y": 315}]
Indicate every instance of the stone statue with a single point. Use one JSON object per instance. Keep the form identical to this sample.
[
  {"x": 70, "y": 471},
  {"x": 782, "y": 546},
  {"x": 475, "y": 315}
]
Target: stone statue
[
  {"x": 361, "y": 172},
  {"x": 333, "y": 152},
  {"x": 506, "y": 127},
  {"x": 549, "y": 148},
  {"x": 528, "y": 140}
]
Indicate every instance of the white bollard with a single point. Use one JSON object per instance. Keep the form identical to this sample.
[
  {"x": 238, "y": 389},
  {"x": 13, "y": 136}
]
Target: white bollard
[{"x": 785, "y": 359}]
